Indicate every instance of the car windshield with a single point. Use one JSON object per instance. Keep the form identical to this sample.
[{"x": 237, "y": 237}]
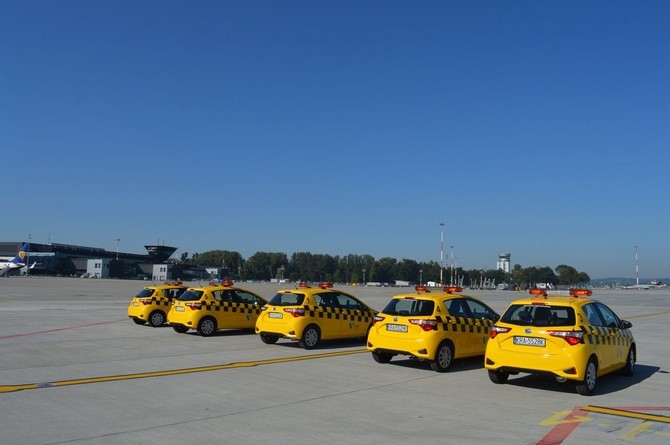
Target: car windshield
[
  {"x": 539, "y": 315},
  {"x": 287, "y": 299},
  {"x": 191, "y": 295},
  {"x": 145, "y": 293},
  {"x": 409, "y": 306}
]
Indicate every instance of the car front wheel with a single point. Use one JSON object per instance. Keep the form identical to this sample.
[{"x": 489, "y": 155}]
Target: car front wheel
[
  {"x": 588, "y": 385},
  {"x": 207, "y": 327},
  {"x": 629, "y": 369},
  {"x": 157, "y": 318},
  {"x": 444, "y": 356},
  {"x": 310, "y": 337}
]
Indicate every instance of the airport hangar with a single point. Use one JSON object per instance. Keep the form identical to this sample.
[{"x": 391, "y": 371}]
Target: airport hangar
[{"x": 71, "y": 260}]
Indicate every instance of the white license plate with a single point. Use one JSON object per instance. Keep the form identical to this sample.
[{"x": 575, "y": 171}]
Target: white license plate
[
  {"x": 275, "y": 315},
  {"x": 396, "y": 328},
  {"x": 530, "y": 341},
  {"x": 135, "y": 303},
  {"x": 179, "y": 309}
]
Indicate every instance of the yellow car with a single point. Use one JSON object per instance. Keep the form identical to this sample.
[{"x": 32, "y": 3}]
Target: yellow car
[
  {"x": 311, "y": 314},
  {"x": 211, "y": 308},
  {"x": 568, "y": 337},
  {"x": 434, "y": 326},
  {"x": 153, "y": 303}
]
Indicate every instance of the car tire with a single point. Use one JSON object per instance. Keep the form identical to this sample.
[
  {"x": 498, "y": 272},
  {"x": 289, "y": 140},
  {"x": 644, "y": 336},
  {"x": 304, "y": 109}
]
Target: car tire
[
  {"x": 444, "y": 357},
  {"x": 498, "y": 377},
  {"x": 382, "y": 357},
  {"x": 180, "y": 329},
  {"x": 310, "y": 337},
  {"x": 138, "y": 321},
  {"x": 629, "y": 368},
  {"x": 207, "y": 326},
  {"x": 157, "y": 318},
  {"x": 587, "y": 386},
  {"x": 269, "y": 339}
]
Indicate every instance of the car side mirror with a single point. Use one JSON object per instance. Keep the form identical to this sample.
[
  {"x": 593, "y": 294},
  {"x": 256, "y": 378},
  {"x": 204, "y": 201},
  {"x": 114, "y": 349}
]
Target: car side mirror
[{"x": 625, "y": 324}]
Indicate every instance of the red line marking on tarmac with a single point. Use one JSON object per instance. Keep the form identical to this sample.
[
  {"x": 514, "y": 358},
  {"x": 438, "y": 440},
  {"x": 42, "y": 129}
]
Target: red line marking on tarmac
[
  {"x": 560, "y": 432},
  {"x": 60, "y": 329}
]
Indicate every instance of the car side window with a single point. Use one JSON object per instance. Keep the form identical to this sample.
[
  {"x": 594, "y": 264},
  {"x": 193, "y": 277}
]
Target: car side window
[
  {"x": 247, "y": 297},
  {"x": 327, "y": 299},
  {"x": 348, "y": 302},
  {"x": 457, "y": 307},
  {"x": 478, "y": 310},
  {"x": 592, "y": 315},
  {"x": 611, "y": 320}
]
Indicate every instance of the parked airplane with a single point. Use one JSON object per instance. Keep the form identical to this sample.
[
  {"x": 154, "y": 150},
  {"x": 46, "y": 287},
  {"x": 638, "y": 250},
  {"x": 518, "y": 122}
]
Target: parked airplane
[{"x": 18, "y": 262}]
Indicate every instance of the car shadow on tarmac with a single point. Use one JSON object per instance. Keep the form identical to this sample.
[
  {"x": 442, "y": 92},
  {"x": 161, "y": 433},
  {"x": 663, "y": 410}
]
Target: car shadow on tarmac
[
  {"x": 607, "y": 384},
  {"x": 459, "y": 365}
]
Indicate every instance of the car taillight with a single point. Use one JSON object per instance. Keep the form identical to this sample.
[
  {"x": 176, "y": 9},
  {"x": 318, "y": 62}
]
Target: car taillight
[
  {"x": 495, "y": 330},
  {"x": 145, "y": 301},
  {"x": 572, "y": 337},
  {"x": 426, "y": 325},
  {"x": 376, "y": 319},
  {"x": 296, "y": 312},
  {"x": 194, "y": 306}
]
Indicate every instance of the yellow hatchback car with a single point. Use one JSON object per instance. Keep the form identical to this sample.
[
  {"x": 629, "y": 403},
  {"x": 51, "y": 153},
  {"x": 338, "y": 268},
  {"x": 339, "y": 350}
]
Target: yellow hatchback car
[
  {"x": 434, "y": 326},
  {"x": 211, "y": 308},
  {"x": 568, "y": 337},
  {"x": 153, "y": 303},
  {"x": 311, "y": 314}
]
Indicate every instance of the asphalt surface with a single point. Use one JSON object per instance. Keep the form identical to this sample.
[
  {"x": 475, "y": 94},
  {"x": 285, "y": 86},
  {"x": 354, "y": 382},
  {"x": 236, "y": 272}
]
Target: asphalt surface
[{"x": 74, "y": 369}]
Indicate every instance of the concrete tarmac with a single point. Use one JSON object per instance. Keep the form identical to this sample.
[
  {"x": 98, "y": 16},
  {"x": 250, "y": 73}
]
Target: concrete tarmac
[{"x": 74, "y": 369}]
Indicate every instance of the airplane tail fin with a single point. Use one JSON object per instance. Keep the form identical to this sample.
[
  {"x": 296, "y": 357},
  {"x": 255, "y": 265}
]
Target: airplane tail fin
[{"x": 20, "y": 257}]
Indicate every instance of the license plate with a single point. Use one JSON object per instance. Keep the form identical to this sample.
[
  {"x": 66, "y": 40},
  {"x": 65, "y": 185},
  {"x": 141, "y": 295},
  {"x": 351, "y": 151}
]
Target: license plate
[
  {"x": 275, "y": 315},
  {"x": 179, "y": 309},
  {"x": 530, "y": 341},
  {"x": 396, "y": 328},
  {"x": 135, "y": 303}
]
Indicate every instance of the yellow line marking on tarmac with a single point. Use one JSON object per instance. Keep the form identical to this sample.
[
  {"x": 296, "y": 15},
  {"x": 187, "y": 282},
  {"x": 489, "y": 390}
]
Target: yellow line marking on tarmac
[
  {"x": 626, "y": 413},
  {"x": 142, "y": 375},
  {"x": 632, "y": 317}
]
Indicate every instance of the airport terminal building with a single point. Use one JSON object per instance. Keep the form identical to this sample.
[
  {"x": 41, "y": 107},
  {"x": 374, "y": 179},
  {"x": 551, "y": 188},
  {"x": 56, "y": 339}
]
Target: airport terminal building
[{"x": 71, "y": 260}]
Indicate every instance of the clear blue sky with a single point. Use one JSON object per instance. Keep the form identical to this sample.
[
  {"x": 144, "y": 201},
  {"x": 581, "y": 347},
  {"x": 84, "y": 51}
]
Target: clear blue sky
[{"x": 538, "y": 128}]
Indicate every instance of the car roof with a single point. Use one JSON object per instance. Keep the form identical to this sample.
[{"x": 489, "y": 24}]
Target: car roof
[{"x": 555, "y": 300}]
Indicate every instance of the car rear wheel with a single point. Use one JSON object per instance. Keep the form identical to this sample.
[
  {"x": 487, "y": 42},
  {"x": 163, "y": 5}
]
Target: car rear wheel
[
  {"x": 269, "y": 339},
  {"x": 382, "y": 357},
  {"x": 629, "y": 369},
  {"x": 138, "y": 320},
  {"x": 310, "y": 337},
  {"x": 588, "y": 385},
  {"x": 157, "y": 318},
  {"x": 207, "y": 326},
  {"x": 444, "y": 356},
  {"x": 498, "y": 376},
  {"x": 180, "y": 329}
]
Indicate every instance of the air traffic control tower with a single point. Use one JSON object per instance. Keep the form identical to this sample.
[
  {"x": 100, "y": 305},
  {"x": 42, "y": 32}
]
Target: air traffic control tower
[{"x": 504, "y": 262}]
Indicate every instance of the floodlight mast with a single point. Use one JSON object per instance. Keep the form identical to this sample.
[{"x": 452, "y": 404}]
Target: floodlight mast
[{"x": 442, "y": 225}]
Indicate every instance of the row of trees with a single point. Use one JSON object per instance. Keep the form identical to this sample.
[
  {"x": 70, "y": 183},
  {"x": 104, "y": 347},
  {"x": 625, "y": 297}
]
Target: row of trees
[{"x": 305, "y": 266}]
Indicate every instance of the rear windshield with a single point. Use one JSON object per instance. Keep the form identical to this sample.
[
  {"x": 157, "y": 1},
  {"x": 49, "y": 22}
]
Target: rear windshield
[
  {"x": 401, "y": 306},
  {"x": 145, "y": 293},
  {"x": 539, "y": 315},
  {"x": 287, "y": 299},
  {"x": 191, "y": 295}
]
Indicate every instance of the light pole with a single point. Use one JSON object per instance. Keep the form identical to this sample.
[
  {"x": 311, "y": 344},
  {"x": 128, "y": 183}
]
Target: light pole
[
  {"x": 442, "y": 224},
  {"x": 637, "y": 269},
  {"x": 117, "y": 248},
  {"x": 420, "y": 277},
  {"x": 451, "y": 267},
  {"x": 364, "y": 276}
]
